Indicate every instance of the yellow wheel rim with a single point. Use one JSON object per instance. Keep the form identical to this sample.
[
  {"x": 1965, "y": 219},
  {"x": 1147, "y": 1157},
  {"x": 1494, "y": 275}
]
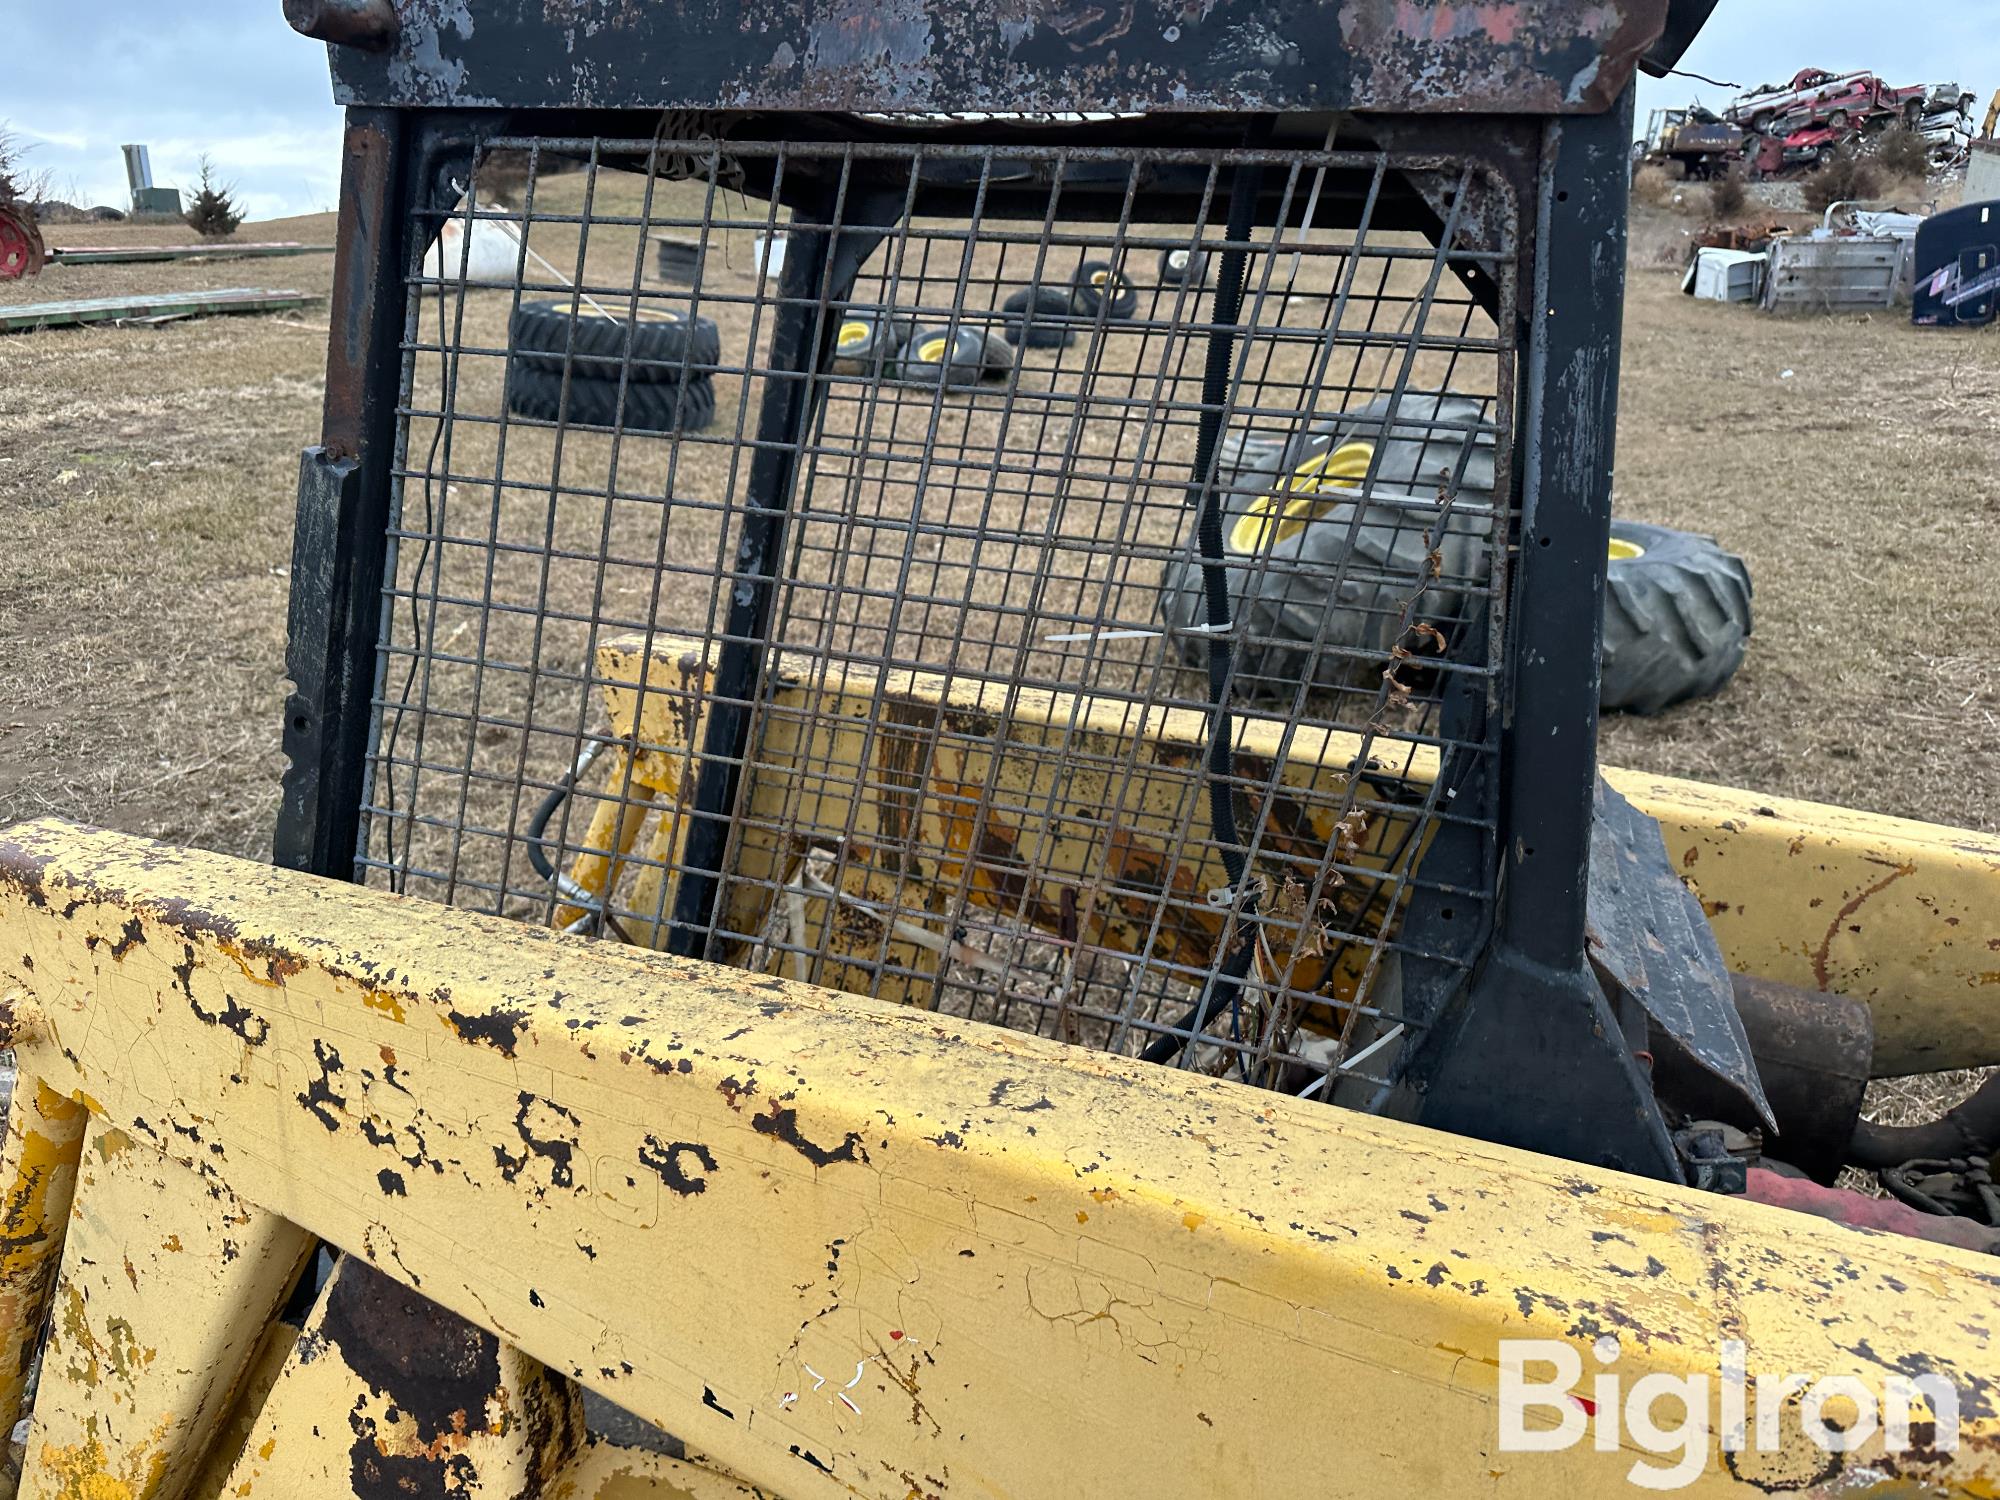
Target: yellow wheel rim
[
  {"x": 1625, "y": 551},
  {"x": 1098, "y": 278},
  {"x": 852, "y": 334},
  {"x": 932, "y": 350},
  {"x": 1286, "y": 511}
]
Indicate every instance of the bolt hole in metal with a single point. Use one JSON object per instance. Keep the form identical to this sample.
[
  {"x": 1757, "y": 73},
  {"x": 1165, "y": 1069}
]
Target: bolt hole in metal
[{"x": 972, "y": 773}]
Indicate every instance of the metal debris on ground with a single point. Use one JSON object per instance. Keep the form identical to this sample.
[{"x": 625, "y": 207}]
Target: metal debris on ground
[
  {"x": 105, "y": 255},
  {"x": 150, "y": 308},
  {"x": 21, "y": 252}
]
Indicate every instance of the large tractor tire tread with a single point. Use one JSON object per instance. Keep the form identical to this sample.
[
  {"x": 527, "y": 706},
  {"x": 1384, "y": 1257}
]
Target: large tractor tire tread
[
  {"x": 649, "y": 406},
  {"x": 1676, "y": 620},
  {"x": 663, "y": 343}
]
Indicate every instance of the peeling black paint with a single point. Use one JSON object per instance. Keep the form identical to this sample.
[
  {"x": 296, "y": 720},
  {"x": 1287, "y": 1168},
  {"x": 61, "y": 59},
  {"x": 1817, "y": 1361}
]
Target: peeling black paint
[
  {"x": 708, "y": 1400},
  {"x": 665, "y": 1159},
  {"x": 1003, "y": 1090},
  {"x": 782, "y": 1122},
  {"x": 499, "y": 1028},
  {"x": 391, "y": 1183},
  {"x": 538, "y": 1114},
  {"x": 319, "y": 1098},
  {"x": 130, "y": 936},
  {"x": 810, "y": 1457},
  {"x": 234, "y": 1015}
]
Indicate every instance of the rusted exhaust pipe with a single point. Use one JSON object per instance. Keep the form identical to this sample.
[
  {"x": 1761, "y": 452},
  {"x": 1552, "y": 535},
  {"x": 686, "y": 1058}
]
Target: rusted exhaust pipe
[
  {"x": 1813, "y": 1052},
  {"x": 371, "y": 25},
  {"x": 1970, "y": 1129}
]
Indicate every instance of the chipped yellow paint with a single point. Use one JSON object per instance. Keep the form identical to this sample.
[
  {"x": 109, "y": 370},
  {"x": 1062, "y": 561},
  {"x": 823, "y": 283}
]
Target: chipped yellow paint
[
  {"x": 87, "y": 1470},
  {"x": 609, "y": 1472},
  {"x": 160, "y": 1338},
  {"x": 614, "y": 828},
  {"x": 804, "y": 1232},
  {"x": 38, "y": 1163},
  {"x": 389, "y": 1005},
  {"x": 325, "y": 1430},
  {"x": 1904, "y": 916},
  {"x": 233, "y": 1436}
]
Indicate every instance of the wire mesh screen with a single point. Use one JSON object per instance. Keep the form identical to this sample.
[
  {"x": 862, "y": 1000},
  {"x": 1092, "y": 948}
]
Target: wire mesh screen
[{"x": 810, "y": 555}]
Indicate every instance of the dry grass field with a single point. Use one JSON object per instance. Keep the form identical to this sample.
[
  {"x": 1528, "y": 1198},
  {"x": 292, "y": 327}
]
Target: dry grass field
[{"x": 147, "y": 478}]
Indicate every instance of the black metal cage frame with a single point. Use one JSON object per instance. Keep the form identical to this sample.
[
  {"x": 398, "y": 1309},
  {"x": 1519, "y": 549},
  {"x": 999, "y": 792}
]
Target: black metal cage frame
[{"x": 1524, "y": 1047}]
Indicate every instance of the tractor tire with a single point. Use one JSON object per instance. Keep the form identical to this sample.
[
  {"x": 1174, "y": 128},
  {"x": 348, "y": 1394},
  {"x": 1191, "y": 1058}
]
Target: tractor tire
[
  {"x": 1676, "y": 617},
  {"x": 662, "y": 342},
  {"x": 998, "y": 354},
  {"x": 1177, "y": 266},
  {"x": 1300, "y": 606},
  {"x": 650, "y": 406},
  {"x": 937, "y": 356},
  {"x": 1039, "y": 318},
  {"x": 869, "y": 339},
  {"x": 1099, "y": 284}
]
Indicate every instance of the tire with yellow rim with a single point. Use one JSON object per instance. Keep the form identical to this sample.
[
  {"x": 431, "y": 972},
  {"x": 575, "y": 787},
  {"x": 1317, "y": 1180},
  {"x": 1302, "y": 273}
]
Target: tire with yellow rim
[
  {"x": 1328, "y": 540},
  {"x": 1676, "y": 617},
  {"x": 868, "y": 339},
  {"x": 944, "y": 356}
]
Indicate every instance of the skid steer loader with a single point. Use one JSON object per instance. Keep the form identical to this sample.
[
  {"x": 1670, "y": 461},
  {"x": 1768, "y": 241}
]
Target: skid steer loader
[{"x": 957, "y": 851}]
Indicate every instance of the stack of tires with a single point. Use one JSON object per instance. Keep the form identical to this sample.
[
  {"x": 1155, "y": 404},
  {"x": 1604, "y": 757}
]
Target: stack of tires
[{"x": 591, "y": 365}]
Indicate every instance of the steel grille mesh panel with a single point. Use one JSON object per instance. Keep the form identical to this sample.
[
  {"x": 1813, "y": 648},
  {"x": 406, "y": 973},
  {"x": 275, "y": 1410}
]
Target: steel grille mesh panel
[{"x": 973, "y": 761}]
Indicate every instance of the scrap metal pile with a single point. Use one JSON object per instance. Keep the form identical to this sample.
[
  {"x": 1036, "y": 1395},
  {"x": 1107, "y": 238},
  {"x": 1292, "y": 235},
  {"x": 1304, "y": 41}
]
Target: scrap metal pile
[{"x": 1785, "y": 129}]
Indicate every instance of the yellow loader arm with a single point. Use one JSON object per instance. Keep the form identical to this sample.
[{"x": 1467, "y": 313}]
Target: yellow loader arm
[{"x": 843, "y": 1247}]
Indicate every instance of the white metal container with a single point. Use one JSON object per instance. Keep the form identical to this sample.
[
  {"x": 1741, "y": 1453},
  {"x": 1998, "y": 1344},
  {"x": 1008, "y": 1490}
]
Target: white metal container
[{"x": 1729, "y": 275}]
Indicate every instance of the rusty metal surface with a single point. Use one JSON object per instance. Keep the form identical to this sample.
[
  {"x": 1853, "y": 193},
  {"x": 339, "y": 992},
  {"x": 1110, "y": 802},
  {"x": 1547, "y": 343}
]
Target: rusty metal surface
[
  {"x": 22, "y": 253},
  {"x": 387, "y": 1395},
  {"x": 731, "y": 1201},
  {"x": 1425, "y": 56},
  {"x": 1814, "y": 1052},
  {"x": 370, "y": 25}
]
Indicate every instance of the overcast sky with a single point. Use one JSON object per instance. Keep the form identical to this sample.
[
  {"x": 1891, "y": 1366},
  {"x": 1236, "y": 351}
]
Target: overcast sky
[{"x": 80, "y": 77}]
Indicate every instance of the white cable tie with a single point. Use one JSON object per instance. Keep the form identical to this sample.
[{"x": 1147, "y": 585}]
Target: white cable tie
[{"x": 1103, "y": 635}]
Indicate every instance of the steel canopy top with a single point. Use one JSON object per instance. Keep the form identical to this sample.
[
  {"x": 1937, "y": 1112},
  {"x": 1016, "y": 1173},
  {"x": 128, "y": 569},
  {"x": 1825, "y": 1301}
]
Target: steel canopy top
[{"x": 1013, "y": 56}]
